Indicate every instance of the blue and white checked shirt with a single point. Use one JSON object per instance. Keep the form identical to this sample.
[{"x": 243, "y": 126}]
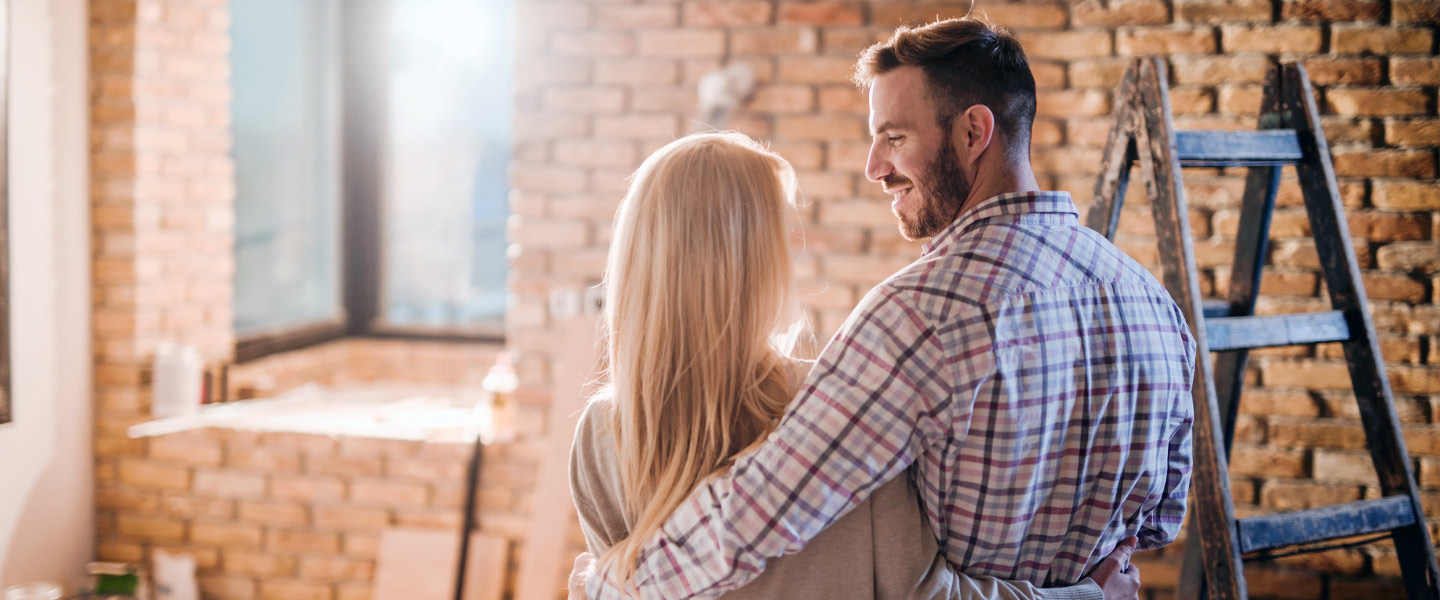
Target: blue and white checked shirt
[{"x": 1036, "y": 377}]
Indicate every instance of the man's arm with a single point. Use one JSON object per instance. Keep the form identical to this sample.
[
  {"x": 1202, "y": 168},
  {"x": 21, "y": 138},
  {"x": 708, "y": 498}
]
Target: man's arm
[
  {"x": 878, "y": 395},
  {"x": 1163, "y": 524}
]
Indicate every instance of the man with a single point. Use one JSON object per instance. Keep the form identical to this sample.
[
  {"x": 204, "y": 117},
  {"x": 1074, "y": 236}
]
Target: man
[{"x": 1033, "y": 379}]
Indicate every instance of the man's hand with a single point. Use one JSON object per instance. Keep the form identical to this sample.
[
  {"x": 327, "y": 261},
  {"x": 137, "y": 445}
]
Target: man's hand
[
  {"x": 585, "y": 565},
  {"x": 1116, "y": 577}
]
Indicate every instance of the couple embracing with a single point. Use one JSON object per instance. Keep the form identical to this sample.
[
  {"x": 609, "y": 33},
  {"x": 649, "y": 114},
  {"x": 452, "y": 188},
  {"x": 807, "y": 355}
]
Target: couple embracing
[{"x": 1007, "y": 417}]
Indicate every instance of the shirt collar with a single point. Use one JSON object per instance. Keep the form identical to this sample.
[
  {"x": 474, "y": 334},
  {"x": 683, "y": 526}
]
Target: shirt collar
[{"x": 1009, "y": 204}]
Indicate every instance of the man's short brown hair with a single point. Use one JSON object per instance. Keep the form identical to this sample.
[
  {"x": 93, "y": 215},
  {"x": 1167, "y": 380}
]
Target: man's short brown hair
[{"x": 966, "y": 61}]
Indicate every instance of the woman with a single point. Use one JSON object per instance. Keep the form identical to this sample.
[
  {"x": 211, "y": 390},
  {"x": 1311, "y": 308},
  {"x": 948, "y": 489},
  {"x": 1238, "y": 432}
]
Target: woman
[{"x": 700, "y": 318}]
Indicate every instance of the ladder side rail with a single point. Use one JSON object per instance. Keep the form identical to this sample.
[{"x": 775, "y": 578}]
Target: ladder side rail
[
  {"x": 1362, "y": 352},
  {"x": 1210, "y": 481},
  {"x": 1251, "y": 248},
  {"x": 1109, "y": 196}
]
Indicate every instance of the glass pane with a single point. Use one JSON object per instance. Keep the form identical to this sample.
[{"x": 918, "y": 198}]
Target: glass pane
[
  {"x": 285, "y": 111},
  {"x": 445, "y": 162}
]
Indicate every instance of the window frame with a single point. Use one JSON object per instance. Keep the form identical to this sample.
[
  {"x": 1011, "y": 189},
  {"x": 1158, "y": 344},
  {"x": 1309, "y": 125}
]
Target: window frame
[{"x": 363, "y": 43}]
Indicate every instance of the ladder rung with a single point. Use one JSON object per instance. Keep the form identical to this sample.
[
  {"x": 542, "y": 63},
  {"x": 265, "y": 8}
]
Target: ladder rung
[
  {"x": 1319, "y": 524},
  {"x": 1235, "y": 333},
  {"x": 1237, "y": 148},
  {"x": 1215, "y": 308}
]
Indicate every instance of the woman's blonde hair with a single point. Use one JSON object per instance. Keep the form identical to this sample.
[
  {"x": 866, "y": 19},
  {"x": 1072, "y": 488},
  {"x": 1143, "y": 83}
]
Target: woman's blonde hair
[{"x": 700, "y": 316}]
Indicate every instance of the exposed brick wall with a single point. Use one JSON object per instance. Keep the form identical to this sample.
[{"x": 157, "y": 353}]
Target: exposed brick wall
[
  {"x": 603, "y": 84},
  {"x": 273, "y": 515}
]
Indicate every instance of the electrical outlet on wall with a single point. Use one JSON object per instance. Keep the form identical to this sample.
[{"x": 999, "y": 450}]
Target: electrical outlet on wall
[{"x": 565, "y": 302}]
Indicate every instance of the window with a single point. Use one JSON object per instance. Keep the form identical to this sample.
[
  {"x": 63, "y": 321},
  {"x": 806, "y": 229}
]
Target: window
[{"x": 372, "y": 141}]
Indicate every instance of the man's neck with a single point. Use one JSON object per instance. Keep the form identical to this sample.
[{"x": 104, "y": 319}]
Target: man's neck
[{"x": 993, "y": 182}]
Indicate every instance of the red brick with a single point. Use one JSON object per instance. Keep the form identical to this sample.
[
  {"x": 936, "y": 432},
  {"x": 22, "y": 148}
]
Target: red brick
[
  {"x": 256, "y": 564},
  {"x": 149, "y": 528},
  {"x": 595, "y": 153},
  {"x": 1067, "y": 45},
  {"x": 1363, "y": 39},
  {"x": 1143, "y": 41},
  {"x": 306, "y": 488},
  {"x": 185, "y": 506},
  {"x": 647, "y": 126},
  {"x": 1379, "y": 102},
  {"x": 1420, "y": 132},
  {"x": 335, "y": 568},
  {"x": 1387, "y": 226},
  {"x": 376, "y": 492},
  {"x": 636, "y": 70},
  {"x": 228, "y": 484},
  {"x": 816, "y": 69},
  {"x": 147, "y": 474},
  {"x": 593, "y": 43},
  {"x": 1415, "y": 71},
  {"x": 843, "y": 99},
  {"x": 231, "y": 535},
  {"x": 1213, "y": 70},
  {"x": 1098, "y": 72},
  {"x": 1365, "y": 162},
  {"x": 1284, "y": 584},
  {"x": 1095, "y": 13},
  {"x": 1271, "y": 39},
  {"x": 820, "y": 127},
  {"x": 726, "y": 13},
  {"x": 1350, "y": 130},
  {"x": 294, "y": 590},
  {"x": 1264, "y": 461},
  {"x": 1393, "y": 286},
  {"x": 1345, "y": 467},
  {"x": 1271, "y": 402},
  {"x": 1294, "y": 495},
  {"x": 1401, "y": 194},
  {"x": 623, "y": 16},
  {"x": 302, "y": 542},
  {"x": 1332, "y": 10},
  {"x": 1420, "y": 12},
  {"x": 1406, "y": 379},
  {"x": 1216, "y": 11},
  {"x": 1188, "y": 100},
  {"x": 1317, "y": 433},
  {"x": 1070, "y": 103},
  {"x": 274, "y": 513},
  {"x": 346, "y": 518},
  {"x": 585, "y": 99},
  {"x": 821, "y": 13},
  {"x": 774, "y": 40},
  {"x": 1410, "y": 256}
]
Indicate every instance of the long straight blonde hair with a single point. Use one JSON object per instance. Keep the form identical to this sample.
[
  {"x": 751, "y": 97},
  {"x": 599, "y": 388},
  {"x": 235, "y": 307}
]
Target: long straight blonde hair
[{"x": 700, "y": 316}]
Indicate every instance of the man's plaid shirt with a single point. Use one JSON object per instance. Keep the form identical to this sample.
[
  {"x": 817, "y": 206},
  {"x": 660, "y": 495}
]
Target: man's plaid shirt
[{"x": 1037, "y": 379}]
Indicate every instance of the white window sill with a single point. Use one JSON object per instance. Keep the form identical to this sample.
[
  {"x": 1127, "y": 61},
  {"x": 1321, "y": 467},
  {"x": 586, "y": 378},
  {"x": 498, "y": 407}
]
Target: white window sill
[{"x": 398, "y": 411}]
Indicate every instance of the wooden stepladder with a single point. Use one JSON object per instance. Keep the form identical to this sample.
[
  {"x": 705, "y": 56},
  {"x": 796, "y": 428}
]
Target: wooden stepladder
[{"x": 1289, "y": 133}]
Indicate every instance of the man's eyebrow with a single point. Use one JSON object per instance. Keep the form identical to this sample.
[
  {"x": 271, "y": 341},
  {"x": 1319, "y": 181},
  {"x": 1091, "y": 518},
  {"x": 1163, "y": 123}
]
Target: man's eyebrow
[{"x": 883, "y": 127}]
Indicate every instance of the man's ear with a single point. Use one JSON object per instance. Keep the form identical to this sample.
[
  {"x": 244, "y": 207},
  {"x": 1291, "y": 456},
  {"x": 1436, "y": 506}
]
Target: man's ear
[{"x": 973, "y": 132}]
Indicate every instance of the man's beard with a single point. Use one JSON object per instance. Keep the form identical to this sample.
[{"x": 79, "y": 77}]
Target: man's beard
[{"x": 943, "y": 191}]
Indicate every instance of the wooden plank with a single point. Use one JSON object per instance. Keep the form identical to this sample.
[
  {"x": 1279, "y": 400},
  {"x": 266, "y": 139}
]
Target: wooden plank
[
  {"x": 1109, "y": 193},
  {"x": 1160, "y": 171},
  {"x": 1232, "y": 333},
  {"x": 418, "y": 564},
  {"x": 1362, "y": 352},
  {"x": 545, "y": 560},
  {"x": 1205, "y": 148},
  {"x": 1327, "y": 523}
]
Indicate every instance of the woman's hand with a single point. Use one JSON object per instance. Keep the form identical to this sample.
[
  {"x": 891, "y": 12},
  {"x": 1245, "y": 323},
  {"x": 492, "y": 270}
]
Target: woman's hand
[
  {"x": 585, "y": 564},
  {"x": 1115, "y": 575}
]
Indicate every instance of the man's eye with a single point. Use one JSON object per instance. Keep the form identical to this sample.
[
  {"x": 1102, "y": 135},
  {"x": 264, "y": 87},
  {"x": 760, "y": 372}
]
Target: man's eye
[{"x": 895, "y": 139}]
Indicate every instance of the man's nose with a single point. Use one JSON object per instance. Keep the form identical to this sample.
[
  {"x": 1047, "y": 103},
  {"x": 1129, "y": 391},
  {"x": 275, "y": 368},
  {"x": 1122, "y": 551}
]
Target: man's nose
[{"x": 877, "y": 166}]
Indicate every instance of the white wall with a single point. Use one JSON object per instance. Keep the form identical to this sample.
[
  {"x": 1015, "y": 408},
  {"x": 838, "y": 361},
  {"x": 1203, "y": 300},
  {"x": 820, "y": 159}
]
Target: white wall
[{"x": 46, "y": 490}]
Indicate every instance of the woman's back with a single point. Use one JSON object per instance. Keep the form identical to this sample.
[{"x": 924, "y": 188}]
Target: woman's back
[{"x": 880, "y": 549}]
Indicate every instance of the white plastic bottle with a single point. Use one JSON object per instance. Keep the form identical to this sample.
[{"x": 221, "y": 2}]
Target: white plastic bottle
[{"x": 178, "y": 381}]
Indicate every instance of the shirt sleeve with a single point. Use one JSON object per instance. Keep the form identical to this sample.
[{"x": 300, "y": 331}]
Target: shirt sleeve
[
  {"x": 964, "y": 587},
  {"x": 1162, "y": 525},
  {"x": 878, "y": 395}
]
